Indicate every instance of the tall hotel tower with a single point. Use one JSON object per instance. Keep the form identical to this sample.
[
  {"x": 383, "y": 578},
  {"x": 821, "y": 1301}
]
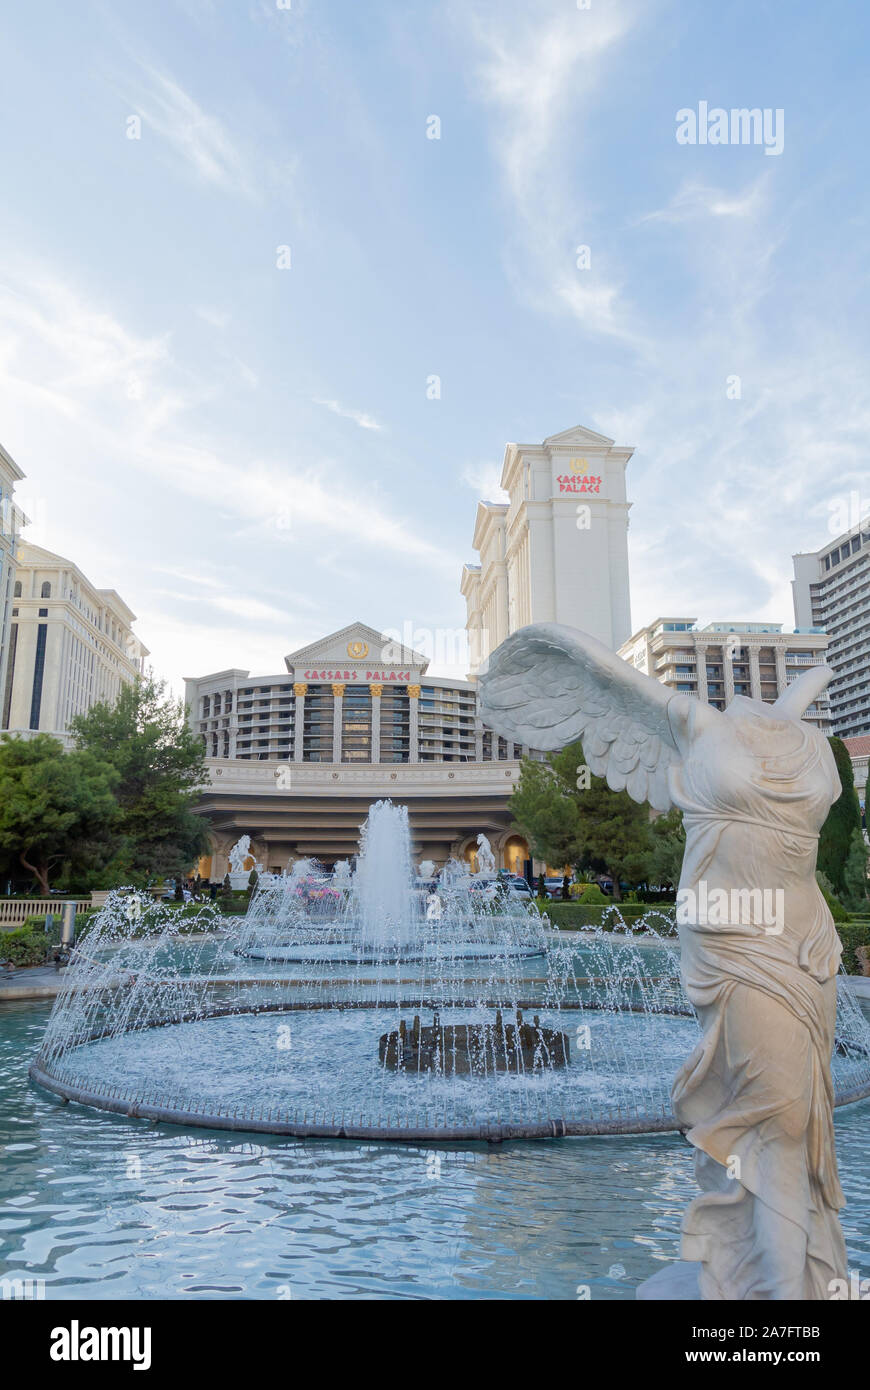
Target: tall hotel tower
[
  {"x": 831, "y": 588},
  {"x": 557, "y": 552}
]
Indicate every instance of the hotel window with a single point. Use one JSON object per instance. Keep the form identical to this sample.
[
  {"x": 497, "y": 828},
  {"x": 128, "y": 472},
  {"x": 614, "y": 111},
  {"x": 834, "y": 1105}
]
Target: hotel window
[
  {"x": 38, "y": 672},
  {"x": 45, "y": 592},
  {"x": 16, "y": 592},
  {"x": 395, "y": 726},
  {"x": 317, "y": 725},
  {"x": 206, "y": 706},
  {"x": 356, "y": 725}
]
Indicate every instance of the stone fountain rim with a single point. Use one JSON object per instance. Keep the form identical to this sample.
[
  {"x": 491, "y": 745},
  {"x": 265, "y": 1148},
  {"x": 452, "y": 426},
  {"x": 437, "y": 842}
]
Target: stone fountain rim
[{"x": 134, "y": 1107}]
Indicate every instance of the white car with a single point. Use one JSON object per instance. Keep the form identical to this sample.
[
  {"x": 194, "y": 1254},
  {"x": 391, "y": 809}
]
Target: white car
[{"x": 518, "y": 885}]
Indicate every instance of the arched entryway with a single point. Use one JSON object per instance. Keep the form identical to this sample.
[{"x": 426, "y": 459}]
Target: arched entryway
[{"x": 514, "y": 854}]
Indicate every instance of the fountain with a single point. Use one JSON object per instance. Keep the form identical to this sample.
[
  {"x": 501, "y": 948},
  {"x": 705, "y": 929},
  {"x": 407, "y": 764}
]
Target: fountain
[
  {"x": 362, "y": 1004},
  {"x": 381, "y": 912},
  {"x": 382, "y": 884}
]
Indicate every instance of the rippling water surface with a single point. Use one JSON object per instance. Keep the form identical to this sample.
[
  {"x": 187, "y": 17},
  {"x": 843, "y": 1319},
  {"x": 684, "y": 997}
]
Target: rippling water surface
[{"x": 101, "y": 1207}]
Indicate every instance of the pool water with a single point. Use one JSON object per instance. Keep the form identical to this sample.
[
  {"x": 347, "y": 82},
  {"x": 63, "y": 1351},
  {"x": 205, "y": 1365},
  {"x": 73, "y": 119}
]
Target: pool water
[{"x": 101, "y": 1207}]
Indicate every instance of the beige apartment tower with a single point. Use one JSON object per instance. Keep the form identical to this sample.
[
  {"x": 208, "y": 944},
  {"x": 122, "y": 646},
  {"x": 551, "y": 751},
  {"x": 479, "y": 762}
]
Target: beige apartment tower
[
  {"x": 71, "y": 645},
  {"x": 722, "y": 660}
]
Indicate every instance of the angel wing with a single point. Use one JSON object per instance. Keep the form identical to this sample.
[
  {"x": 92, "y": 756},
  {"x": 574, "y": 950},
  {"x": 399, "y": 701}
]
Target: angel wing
[{"x": 548, "y": 685}]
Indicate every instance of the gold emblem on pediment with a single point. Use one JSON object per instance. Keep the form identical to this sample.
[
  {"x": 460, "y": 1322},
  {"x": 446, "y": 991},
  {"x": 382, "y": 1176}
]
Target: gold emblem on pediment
[{"x": 357, "y": 650}]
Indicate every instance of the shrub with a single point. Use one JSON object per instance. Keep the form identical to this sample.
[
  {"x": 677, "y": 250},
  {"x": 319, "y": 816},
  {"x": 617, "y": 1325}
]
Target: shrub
[
  {"x": 24, "y": 947},
  {"x": 593, "y": 894},
  {"x": 838, "y": 912},
  {"x": 852, "y": 935}
]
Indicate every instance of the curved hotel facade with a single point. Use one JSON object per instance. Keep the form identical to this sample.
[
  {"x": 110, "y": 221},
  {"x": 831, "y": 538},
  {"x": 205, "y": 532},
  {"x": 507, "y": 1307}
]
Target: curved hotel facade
[{"x": 295, "y": 759}]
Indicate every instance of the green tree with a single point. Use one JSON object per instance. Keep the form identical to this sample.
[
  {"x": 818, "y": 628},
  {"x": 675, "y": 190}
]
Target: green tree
[
  {"x": 668, "y": 836},
  {"x": 571, "y": 817},
  {"x": 145, "y": 736},
  {"x": 838, "y": 912},
  {"x": 843, "y": 819},
  {"x": 55, "y": 807},
  {"x": 855, "y": 873}
]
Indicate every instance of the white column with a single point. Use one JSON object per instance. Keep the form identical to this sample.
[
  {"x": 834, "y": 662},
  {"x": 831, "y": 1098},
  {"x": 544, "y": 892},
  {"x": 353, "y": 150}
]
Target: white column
[
  {"x": 781, "y": 677},
  {"x": 728, "y": 672},
  {"x": 754, "y": 674},
  {"x": 376, "y": 692},
  {"x": 701, "y": 670},
  {"x": 337, "y": 704},
  {"x": 414, "y": 724},
  {"x": 300, "y": 689}
]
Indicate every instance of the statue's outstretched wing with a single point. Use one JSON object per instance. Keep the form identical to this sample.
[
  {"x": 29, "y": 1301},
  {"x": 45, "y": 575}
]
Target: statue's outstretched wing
[{"x": 548, "y": 685}]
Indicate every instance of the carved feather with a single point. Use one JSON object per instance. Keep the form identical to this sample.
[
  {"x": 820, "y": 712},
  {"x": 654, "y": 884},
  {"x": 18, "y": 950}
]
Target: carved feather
[{"x": 548, "y": 685}]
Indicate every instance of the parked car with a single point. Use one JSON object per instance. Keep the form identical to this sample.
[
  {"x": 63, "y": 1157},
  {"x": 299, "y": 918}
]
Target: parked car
[
  {"x": 517, "y": 885},
  {"x": 186, "y": 896},
  {"x": 484, "y": 888},
  {"x": 553, "y": 886}
]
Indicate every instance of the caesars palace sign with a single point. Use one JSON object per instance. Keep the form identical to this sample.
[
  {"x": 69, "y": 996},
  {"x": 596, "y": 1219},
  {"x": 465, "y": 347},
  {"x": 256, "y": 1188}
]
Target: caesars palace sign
[
  {"x": 358, "y": 651},
  {"x": 380, "y": 677},
  {"x": 578, "y": 478}
]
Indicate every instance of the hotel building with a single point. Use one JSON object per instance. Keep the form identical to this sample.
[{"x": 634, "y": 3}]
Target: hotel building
[
  {"x": 557, "y": 551},
  {"x": 11, "y": 521},
  {"x": 831, "y": 589},
  {"x": 722, "y": 660},
  {"x": 296, "y": 758},
  {"x": 71, "y": 645}
]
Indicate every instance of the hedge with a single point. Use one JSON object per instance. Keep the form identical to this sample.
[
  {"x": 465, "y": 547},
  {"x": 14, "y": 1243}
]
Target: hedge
[
  {"x": 25, "y": 947},
  {"x": 852, "y": 934},
  {"x": 574, "y": 916}
]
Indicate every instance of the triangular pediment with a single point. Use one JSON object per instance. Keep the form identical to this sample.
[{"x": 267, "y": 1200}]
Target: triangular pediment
[
  {"x": 357, "y": 643},
  {"x": 580, "y": 436}
]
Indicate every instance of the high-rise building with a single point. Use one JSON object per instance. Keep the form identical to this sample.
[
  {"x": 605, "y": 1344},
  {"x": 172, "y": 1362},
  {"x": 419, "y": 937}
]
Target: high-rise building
[
  {"x": 11, "y": 521},
  {"x": 831, "y": 589},
  {"x": 71, "y": 645},
  {"x": 722, "y": 660},
  {"x": 557, "y": 551}
]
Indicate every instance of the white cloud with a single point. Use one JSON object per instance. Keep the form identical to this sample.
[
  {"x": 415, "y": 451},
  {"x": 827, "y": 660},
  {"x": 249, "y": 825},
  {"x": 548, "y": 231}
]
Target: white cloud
[
  {"x": 485, "y": 480},
  {"x": 199, "y": 140},
  {"x": 359, "y": 417},
  {"x": 215, "y": 318},
  {"x": 694, "y": 200},
  {"x": 539, "y": 72},
  {"x": 65, "y": 360}
]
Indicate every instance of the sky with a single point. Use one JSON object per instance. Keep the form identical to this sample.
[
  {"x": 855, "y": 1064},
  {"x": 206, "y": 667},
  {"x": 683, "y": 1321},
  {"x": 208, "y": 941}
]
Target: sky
[{"x": 232, "y": 259}]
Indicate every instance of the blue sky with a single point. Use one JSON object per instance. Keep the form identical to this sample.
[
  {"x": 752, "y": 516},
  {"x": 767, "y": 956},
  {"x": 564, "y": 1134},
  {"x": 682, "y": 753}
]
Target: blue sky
[{"x": 248, "y": 453}]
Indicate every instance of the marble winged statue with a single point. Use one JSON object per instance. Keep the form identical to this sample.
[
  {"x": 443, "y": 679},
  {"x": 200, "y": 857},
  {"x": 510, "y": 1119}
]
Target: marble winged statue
[{"x": 754, "y": 784}]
